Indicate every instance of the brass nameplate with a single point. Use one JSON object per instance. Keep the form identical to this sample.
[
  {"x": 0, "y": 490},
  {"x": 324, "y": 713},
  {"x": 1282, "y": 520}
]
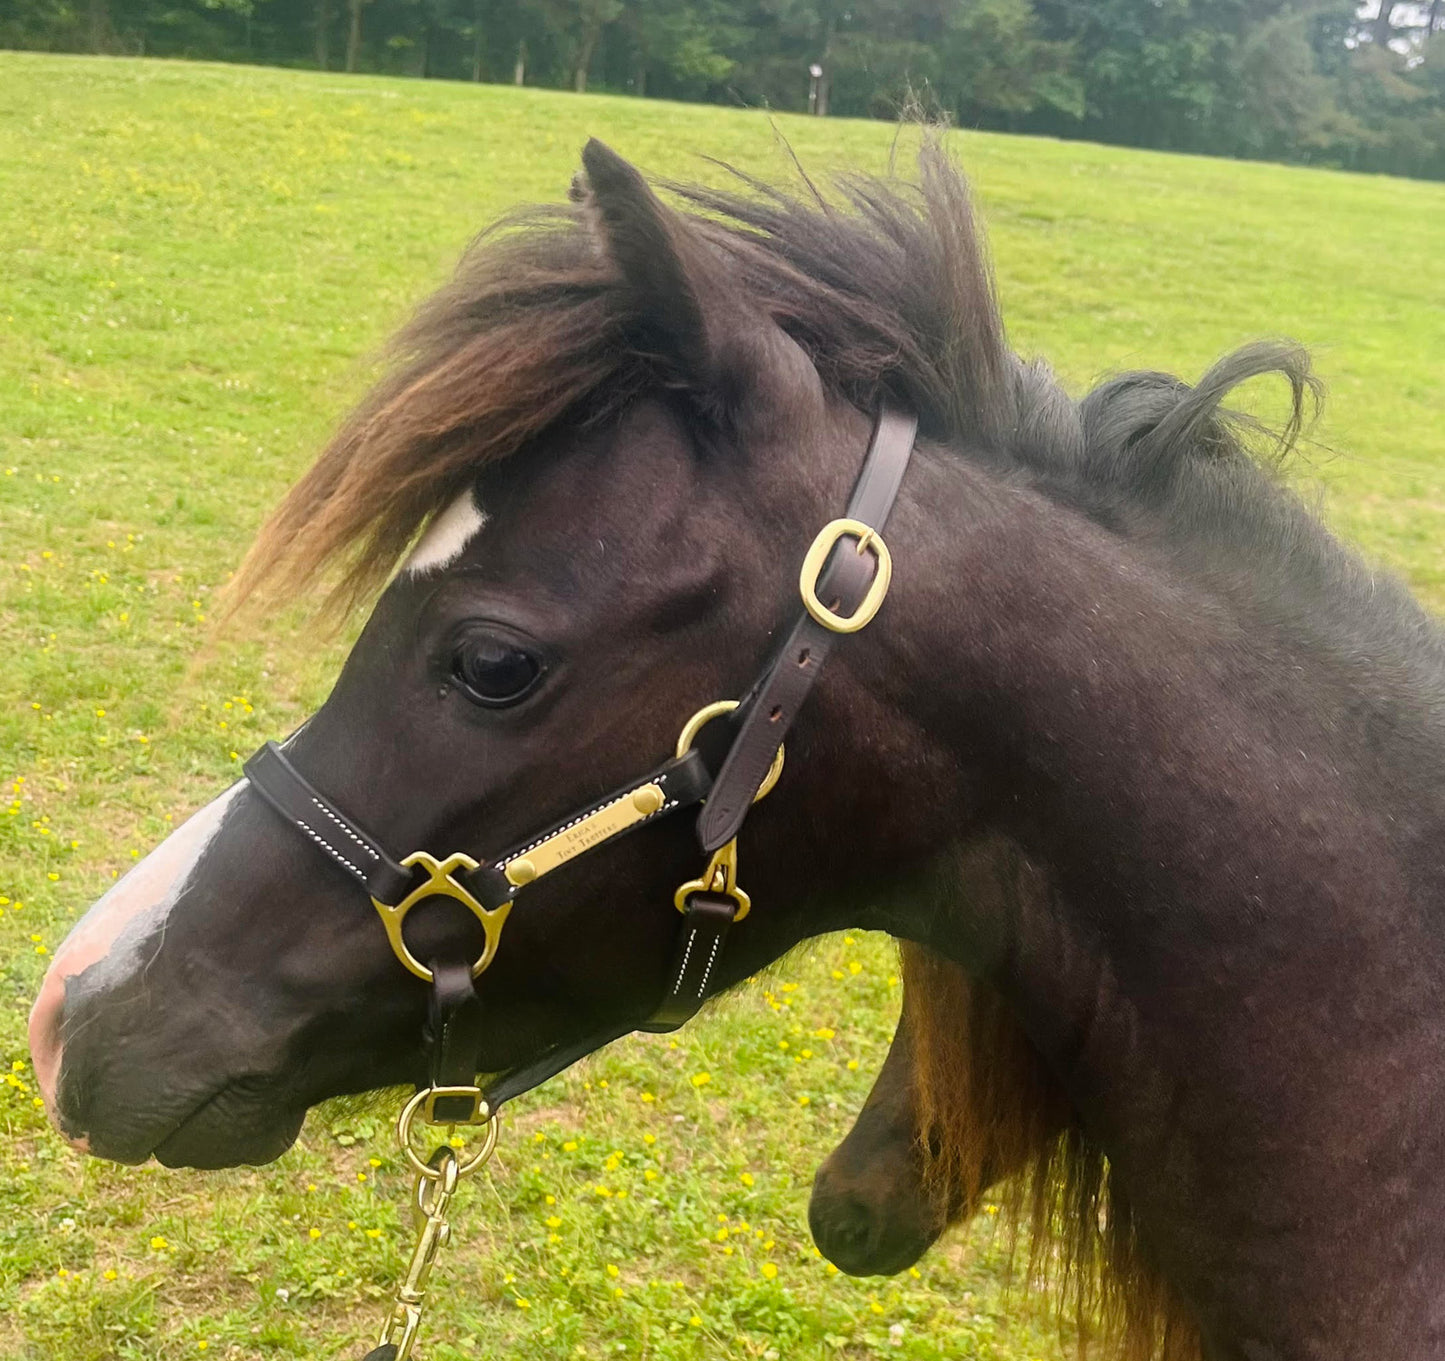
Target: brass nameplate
[{"x": 584, "y": 834}]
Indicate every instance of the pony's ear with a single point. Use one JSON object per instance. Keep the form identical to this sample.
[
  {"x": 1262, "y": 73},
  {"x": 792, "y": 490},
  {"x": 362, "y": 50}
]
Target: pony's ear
[{"x": 663, "y": 265}]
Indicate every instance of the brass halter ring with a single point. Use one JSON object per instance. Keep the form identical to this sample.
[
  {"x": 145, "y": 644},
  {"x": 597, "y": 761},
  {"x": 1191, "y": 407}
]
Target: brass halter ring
[
  {"x": 721, "y": 874},
  {"x": 464, "y": 1166},
  {"x": 704, "y": 716},
  {"x": 440, "y": 884}
]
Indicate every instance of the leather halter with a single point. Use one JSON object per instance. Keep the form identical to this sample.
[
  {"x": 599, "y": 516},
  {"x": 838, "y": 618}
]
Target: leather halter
[{"x": 842, "y": 589}]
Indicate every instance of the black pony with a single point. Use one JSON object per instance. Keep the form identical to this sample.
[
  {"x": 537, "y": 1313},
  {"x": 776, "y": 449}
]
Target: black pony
[{"x": 1210, "y": 736}]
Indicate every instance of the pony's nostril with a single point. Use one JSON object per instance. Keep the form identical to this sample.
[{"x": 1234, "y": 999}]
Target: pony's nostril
[{"x": 844, "y": 1229}]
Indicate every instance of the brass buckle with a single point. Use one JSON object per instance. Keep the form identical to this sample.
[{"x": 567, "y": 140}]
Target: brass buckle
[
  {"x": 720, "y": 876},
  {"x": 440, "y": 884},
  {"x": 817, "y": 557}
]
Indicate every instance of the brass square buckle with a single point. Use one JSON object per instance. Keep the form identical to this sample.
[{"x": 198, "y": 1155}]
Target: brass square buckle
[
  {"x": 458, "y": 1106},
  {"x": 868, "y": 538}
]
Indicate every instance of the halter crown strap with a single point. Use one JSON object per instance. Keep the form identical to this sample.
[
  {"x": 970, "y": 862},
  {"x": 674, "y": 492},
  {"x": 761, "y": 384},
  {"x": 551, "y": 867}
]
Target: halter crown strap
[{"x": 768, "y": 711}]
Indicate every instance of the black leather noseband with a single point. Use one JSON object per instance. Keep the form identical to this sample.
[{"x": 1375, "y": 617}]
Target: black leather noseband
[{"x": 836, "y": 577}]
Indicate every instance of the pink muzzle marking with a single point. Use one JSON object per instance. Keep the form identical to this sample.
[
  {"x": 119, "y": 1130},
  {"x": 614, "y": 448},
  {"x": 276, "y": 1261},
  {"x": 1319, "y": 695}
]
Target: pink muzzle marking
[{"x": 133, "y": 908}]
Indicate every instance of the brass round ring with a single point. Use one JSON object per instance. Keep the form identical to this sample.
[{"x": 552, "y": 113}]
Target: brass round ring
[
  {"x": 424, "y": 1169},
  {"x": 705, "y": 715}
]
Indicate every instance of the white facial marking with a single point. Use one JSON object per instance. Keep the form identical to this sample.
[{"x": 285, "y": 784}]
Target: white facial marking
[
  {"x": 447, "y": 535},
  {"x": 108, "y": 940}
]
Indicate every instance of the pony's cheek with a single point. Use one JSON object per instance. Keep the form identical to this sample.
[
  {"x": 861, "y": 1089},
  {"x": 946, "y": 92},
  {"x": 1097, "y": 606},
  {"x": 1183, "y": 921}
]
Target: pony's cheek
[{"x": 105, "y": 943}]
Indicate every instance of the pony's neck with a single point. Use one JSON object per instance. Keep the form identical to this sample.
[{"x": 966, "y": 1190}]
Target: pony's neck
[{"x": 1237, "y": 980}]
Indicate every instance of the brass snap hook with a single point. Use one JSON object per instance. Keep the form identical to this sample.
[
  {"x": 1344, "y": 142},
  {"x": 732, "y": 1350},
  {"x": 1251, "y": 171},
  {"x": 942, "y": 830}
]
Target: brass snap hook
[{"x": 720, "y": 876}]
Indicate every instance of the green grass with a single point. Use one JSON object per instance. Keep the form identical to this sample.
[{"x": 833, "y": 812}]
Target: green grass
[{"x": 198, "y": 261}]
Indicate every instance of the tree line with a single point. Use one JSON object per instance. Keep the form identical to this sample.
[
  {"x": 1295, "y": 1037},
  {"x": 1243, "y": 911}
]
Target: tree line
[{"x": 1324, "y": 81}]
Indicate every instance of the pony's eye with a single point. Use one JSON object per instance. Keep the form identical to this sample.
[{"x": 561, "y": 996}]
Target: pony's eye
[{"x": 493, "y": 671}]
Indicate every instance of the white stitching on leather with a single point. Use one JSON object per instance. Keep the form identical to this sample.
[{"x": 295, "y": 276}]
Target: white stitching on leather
[
  {"x": 331, "y": 850},
  {"x": 345, "y": 828},
  {"x": 686, "y": 955},
  {"x": 707, "y": 972}
]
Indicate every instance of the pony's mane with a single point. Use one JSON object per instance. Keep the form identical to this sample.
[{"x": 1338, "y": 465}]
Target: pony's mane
[
  {"x": 985, "y": 1100},
  {"x": 886, "y": 286}
]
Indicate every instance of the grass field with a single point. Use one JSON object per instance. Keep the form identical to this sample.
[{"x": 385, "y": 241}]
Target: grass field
[{"x": 198, "y": 261}]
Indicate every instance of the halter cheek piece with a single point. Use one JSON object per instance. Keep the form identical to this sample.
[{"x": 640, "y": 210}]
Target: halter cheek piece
[{"x": 842, "y": 590}]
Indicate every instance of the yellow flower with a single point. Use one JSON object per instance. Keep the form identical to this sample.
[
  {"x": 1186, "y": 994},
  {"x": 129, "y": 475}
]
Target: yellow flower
[
  {"x": 202, "y": 1345},
  {"x": 746, "y": 1178},
  {"x": 521, "y": 1303},
  {"x": 373, "y": 1233},
  {"x": 854, "y": 966},
  {"x": 159, "y": 1244},
  {"x": 649, "y": 1139},
  {"x": 649, "y": 1175},
  {"x": 53, "y": 877},
  {"x": 852, "y": 1065},
  {"x": 805, "y": 1101},
  {"x": 110, "y": 1273},
  {"x": 823, "y": 1033},
  {"x": 553, "y": 1222},
  {"x": 539, "y": 1138},
  {"x": 694, "y": 1322},
  {"x": 648, "y": 1098},
  {"x": 875, "y": 1306},
  {"x": 701, "y": 1079},
  {"x": 570, "y": 1146},
  {"x": 551, "y": 1200},
  {"x": 721, "y": 1235},
  {"x": 375, "y": 1162},
  {"x": 361, "y": 1176},
  {"x": 612, "y": 1270},
  {"x": 830, "y": 1269},
  {"x": 915, "y": 1273},
  {"x": 837, "y": 973},
  {"x": 314, "y": 1233},
  {"x": 769, "y": 1270}
]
